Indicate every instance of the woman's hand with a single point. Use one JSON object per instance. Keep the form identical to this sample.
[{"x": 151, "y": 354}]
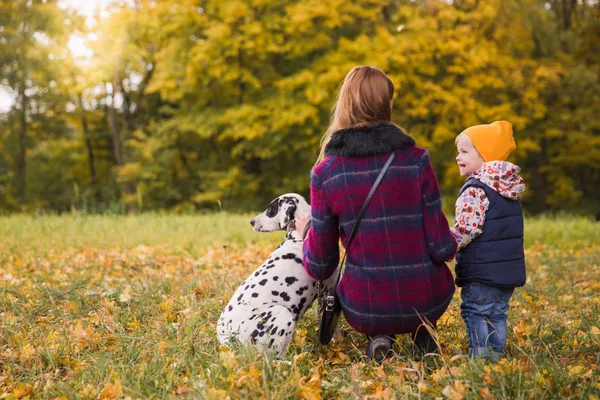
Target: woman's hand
[{"x": 301, "y": 222}]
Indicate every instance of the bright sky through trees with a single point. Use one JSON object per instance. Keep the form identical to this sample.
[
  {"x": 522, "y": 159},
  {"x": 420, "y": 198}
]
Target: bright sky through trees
[{"x": 90, "y": 9}]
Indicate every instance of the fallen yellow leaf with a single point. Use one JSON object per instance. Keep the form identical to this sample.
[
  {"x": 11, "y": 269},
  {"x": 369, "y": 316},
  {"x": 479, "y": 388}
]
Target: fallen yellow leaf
[
  {"x": 111, "y": 391},
  {"x": 485, "y": 393},
  {"x": 312, "y": 389}
]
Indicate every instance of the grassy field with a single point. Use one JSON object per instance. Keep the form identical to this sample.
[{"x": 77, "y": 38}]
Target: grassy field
[{"x": 126, "y": 307}]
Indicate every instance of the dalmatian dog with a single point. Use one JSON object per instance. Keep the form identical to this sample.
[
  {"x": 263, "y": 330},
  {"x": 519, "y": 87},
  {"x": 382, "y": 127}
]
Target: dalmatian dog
[{"x": 265, "y": 308}]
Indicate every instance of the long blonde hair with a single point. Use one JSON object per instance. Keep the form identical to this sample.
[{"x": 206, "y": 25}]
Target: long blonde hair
[{"x": 365, "y": 97}]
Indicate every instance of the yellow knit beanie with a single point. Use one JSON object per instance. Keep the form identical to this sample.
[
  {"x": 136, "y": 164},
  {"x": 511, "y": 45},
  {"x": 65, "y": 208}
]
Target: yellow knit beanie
[{"x": 493, "y": 141}]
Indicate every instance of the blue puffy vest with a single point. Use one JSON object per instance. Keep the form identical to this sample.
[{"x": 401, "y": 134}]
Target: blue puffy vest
[{"x": 496, "y": 257}]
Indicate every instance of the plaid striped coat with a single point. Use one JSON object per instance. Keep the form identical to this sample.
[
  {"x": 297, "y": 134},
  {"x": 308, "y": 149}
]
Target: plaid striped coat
[{"x": 395, "y": 269}]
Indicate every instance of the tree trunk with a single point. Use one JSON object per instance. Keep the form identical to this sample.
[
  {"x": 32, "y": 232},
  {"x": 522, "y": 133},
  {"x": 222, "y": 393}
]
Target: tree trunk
[
  {"x": 114, "y": 129},
  {"x": 128, "y": 187},
  {"x": 21, "y": 156},
  {"x": 90, "y": 149}
]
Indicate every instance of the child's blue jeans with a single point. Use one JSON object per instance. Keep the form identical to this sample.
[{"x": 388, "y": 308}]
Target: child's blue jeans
[{"x": 483, "y": 309}]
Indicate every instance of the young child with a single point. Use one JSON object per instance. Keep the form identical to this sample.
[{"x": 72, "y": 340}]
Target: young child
[{"x": 488, "y": 228}]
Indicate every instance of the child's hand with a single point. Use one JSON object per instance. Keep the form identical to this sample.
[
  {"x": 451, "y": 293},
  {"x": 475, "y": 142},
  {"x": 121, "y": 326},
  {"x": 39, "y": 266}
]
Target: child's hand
[{"x": 301, "y": 222}]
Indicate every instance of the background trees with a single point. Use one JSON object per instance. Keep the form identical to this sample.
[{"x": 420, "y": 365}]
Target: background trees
[{"x": 197, "y": 104}]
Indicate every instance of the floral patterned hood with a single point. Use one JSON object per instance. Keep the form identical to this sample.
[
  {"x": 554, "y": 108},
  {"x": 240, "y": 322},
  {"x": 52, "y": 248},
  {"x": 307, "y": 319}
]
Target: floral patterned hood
[{"x": 503, "y": 177}]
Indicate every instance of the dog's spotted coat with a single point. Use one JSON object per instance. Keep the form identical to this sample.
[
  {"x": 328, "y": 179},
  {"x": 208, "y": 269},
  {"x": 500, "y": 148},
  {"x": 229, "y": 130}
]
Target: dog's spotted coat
[{"x": 265, "y": 308}]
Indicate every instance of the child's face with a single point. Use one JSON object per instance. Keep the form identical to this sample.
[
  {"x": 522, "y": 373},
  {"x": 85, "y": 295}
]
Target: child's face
[{"x": 468, "y": 158}]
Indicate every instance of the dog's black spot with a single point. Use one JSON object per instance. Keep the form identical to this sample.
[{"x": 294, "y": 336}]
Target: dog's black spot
[
  {"x": 270, "y": 261},
  {"x": 284, "y": 296},
  {"x": 274, "y": 330},
  {"x": 230, "y": 307},
  {"x": 291, "y": 256},
  {"x": 271, "y": 342},
  {"x": 314, "y": 283},
  {"x": 257, "y": 273},
  {"x": 281, "y": 332},
  {"x": 276, "y": 258},
  {"x": 290, "y": 199},
  {"x": 240, "y": 297},
  {"x": 253, "y": 286},
  {"x": 263, "y": 282},
  {"x": 275, "y": 293},
  {"x": 255, "y": 294},
  {"x": 290, "y": 280},
  {"x": 272, "y": 209},
  {"x": 289, "y": 323},
  {"x": 275, "y": 278},
  {"x": 261, "y": 334},
  {"x": 301, "y": 291},
  {"x": 264, "y": 273},
  {"x": 254, "y": 334}
]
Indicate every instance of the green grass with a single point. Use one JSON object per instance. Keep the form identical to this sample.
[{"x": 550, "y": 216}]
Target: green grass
[
  {"x": 107, "y": 307},
  {"x": 173, "y": 233}
]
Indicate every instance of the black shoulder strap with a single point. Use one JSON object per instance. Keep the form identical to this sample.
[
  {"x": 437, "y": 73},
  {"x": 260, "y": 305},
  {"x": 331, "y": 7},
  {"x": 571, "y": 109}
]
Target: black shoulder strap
[{"x": 366, "y": 205}]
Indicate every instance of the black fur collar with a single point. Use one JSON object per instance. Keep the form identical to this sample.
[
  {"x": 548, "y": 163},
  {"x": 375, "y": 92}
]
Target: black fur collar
[{"x": 368, "y": 140}]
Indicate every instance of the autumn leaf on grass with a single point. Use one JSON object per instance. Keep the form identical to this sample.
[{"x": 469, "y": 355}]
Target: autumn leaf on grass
[
  {"x": 85, "y": 337},
  {"x": 20, "y": 391},
  {"x": 26, "y": 353},
  {"x": 456, "y": 391},
  {"x": 227, "y": 358},
  {"x": 485, "y": 393},
  {"x": 162, "y": 346},
  {"x": 341, "y": 359},
  {"x": 217, "y": 394},
  {"x": 312, "y": 389},
  {"x": 381, "y": 393},
  {"x": 425, "y": 388},
  {"x": 133, "y": 325},
  {"x": 300, "y": 337},
  {"x": 126, "y": 294},
  {"x": 253, "y": 375},
  {"x": 111, "y": 391}
]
